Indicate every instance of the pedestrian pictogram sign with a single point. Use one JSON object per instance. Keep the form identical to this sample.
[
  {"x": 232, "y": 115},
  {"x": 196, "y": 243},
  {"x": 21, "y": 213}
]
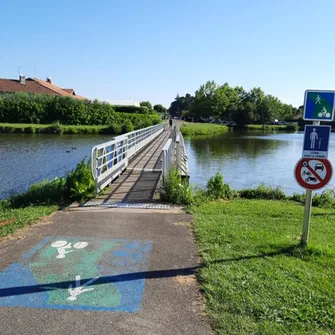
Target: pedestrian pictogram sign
[
  {"x": 313, "y": 174},
  {"x": 316, "y": 141},
  {"x": 319, "y": 105}
]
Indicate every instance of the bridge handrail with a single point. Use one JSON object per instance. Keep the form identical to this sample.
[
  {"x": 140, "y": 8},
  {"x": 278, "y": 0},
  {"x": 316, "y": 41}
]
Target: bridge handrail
[
  {"x": 110, "y": 159},
  {"x": 166, "y": 158},
  {"x": 181, "y": 156}
]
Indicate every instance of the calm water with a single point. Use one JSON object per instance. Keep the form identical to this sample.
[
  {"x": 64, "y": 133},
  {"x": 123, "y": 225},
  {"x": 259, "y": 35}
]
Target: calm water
[
  {"x": 245, "y": 159},
  {"x": 26, "y": 159},
  {"x": 249, "y": 159}
]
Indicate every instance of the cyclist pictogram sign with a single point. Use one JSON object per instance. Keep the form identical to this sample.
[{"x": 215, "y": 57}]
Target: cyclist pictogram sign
[{"x": 313, "y": 174}]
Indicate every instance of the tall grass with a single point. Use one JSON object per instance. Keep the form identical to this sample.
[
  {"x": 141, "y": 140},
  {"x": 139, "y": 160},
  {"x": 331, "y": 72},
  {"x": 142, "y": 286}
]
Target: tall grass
[{"x": 190, "y": 129}]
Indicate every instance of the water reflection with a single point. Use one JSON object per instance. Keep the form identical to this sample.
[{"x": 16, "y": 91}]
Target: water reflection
[{"x": 247, "y": 159}]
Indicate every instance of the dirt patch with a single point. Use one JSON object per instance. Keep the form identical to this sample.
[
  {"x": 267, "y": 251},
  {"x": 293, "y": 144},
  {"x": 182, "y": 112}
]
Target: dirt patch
[
  {"x": 183, "y": 224},
  {"x": 2, "y": 223},
  {"x": 186, "y": 280},
  {"x": 19, "y": 234}
]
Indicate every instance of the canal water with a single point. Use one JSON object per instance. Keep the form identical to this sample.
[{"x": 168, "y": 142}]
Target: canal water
[
  {"x": 246, "y": 159},
  {"x": 26, "y": 159}
]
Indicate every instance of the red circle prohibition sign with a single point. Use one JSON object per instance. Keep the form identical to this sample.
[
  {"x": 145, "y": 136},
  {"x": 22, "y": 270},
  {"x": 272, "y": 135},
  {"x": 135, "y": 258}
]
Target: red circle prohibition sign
[{"x": 313, "y": 173}]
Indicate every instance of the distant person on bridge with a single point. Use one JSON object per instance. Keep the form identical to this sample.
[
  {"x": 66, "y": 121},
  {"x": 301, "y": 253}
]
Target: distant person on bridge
[{"x": 170, "y": 123}]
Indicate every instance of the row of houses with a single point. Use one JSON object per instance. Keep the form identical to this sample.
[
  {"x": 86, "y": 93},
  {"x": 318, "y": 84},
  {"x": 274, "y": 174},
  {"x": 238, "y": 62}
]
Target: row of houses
[
  {"x": 40, "y": 86},
  {"x": 36, "y": 86}
]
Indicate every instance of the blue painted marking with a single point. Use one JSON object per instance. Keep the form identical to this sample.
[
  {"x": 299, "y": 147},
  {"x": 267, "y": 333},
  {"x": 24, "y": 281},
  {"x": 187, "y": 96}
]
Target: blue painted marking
[{"x": 117, "y": 269}]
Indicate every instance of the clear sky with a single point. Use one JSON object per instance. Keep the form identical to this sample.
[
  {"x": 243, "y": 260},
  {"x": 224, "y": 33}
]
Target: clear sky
[{"x": 154, "y": 49}]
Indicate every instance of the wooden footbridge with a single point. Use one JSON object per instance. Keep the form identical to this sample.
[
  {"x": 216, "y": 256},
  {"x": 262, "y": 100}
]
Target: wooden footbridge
[{"x": 130, "y": 169}]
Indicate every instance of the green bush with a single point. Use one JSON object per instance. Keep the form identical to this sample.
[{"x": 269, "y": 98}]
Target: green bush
[
  {"x": 131, "y": 109},
  {"x": 176, "y": 190},
  {"x": 263, "y": 192},
  {"x": 292, "y": 127},
  {"x": 216, "y": 189},
  {"x": 325, "y": 200},
  {"x": 80, "y": 183},
  {"x": 298, "y": 197},
  {"x": 127, "y": 127}
]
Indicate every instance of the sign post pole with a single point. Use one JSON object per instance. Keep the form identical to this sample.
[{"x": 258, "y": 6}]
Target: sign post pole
[{"x": 308, "y": 209}]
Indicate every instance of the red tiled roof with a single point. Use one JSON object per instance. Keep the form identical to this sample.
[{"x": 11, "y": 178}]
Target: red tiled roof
[
  {"x": 69, "y": 90},
  {"x": 34, "y": 85}
]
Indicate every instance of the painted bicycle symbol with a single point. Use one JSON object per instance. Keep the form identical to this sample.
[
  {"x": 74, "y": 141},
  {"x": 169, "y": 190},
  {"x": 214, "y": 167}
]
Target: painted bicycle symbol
[
  {"x": 63, "y": 247},
  {"x": 324, "y": 113}
]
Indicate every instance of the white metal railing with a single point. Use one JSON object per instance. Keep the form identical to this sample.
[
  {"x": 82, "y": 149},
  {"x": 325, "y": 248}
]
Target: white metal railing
[
  {"x": 166, "y": 158},
  {"x": 110, "y": 159},
  {"x": 181, "y": 157}
]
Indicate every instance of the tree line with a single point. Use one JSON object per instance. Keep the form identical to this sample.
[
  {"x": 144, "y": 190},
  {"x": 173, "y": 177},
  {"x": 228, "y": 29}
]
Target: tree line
[{"x": 232, "y": 103}]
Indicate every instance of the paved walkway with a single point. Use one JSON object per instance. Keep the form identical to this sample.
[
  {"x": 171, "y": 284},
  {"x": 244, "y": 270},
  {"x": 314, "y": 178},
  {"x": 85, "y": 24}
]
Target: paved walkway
[{"x": 102, "y": 271}]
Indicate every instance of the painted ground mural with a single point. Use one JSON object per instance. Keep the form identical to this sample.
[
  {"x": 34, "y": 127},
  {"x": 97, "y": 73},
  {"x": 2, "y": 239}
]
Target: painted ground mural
[{"x": 78, "y": 273}]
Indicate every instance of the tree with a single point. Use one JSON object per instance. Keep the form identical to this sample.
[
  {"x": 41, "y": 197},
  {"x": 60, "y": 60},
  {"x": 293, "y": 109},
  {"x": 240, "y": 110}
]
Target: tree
[
  {"x": 160, "y": 109},
  {"x": 146, "y": 104},
  {"x": 244, "y": 114},
  {"x": 204, "y": 103},
  {"x": 181, "y": 104}
]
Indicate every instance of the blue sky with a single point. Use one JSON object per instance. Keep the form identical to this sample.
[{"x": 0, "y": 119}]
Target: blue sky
[{"x": 152, "y": 49}]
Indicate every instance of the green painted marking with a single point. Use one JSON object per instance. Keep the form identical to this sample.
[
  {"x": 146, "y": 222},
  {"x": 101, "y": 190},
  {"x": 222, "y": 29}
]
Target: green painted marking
[
  {"x": 48, "y": 269},
  {"x": 318, "y": 107}
]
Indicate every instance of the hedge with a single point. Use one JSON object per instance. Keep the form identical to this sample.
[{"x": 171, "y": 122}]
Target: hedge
[
  {"x": 47, "y": 109},
  {"x": 133, "y": 109}
]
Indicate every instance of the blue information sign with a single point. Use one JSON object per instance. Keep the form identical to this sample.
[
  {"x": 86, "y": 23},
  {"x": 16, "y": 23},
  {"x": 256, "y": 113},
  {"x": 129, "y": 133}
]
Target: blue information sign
[
  {"x": 319, "y": 105},
  {"x": 316, "y": 141}
]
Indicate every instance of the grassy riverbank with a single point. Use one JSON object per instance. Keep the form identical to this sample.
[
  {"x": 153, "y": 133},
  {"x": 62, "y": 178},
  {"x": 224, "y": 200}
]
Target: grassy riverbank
[
  {"x": 53, "y": 129},
  {"x": 57, "y": 128},
  {"x": 201, "y": 128},
  {"x": 43, "y": 198},
  {"x": 288, "y": 127},
  {"x": 211, "y": 129},
  {"x": 256, "y": 278},
  {"x": 12, "y": 219}
]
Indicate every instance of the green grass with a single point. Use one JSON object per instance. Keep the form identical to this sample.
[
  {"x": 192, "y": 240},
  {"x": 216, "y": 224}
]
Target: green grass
[
  {"x": 201, "y": 128},
  {"x": 289, "y": 127},
  {"x": 21, "y": 216},
  {"x": 256, "y": 278},
  {"x": 54, "y": 129}
]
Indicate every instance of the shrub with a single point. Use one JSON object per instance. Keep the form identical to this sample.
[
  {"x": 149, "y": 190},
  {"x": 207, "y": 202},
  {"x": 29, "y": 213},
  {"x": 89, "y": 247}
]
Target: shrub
[
  {"x": 326, "y": 199},
  {"x": 80, "y": 183},
  {"x": 127, "y": 127},
  {"x": 263, "y": 192},
  {"x": 298, "y": 197},
  {"x": 292, "y": 127},
  {"x": 131, "y": 109},
  {"x": 176, "y": 190},
  {"x": 216, "y": 189}
]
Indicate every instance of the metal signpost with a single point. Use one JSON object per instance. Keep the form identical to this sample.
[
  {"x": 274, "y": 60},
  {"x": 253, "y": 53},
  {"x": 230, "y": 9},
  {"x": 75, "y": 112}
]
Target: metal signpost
[{"x": 314, "y": 170}]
